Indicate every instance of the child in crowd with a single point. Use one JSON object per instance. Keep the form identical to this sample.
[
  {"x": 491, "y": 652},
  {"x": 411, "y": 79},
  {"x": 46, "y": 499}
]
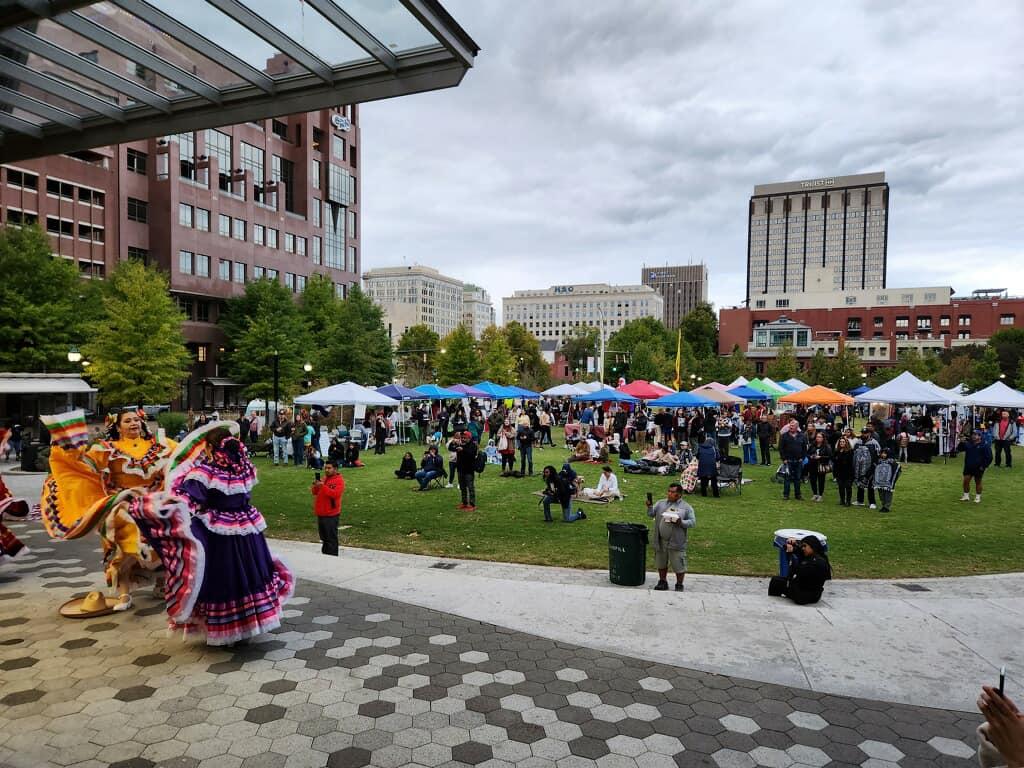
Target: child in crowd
[
  {"x": 492, "y": 453},
  {"x": 887, "y": 471}
]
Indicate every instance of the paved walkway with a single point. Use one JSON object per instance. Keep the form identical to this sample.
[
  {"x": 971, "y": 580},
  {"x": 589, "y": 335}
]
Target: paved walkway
[{"x": 354, "y": 679}]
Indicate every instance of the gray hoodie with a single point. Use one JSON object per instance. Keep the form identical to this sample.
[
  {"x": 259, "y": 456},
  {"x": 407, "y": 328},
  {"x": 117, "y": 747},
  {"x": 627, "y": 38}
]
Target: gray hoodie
[{"x": 671, "y": 535}]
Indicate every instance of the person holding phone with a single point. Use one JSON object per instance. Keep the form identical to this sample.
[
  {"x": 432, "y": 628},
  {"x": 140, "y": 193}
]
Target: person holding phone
[
  {"x": 327, "y": 495},
  {"x": 1001, "y": 736},
  {"x": 673, "y": 518}
]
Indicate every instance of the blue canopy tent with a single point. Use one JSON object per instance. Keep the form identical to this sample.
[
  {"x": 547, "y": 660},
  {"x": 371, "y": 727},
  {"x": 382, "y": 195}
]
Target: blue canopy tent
[
  {"x": 683, "y": 400},
  {"x": 859, "y": 390},
  {"x": 497, "y": 391},
  {"x": 525, "y": 394},
  {"x": 748, "y": 393},
  {"x": 606, "y": 395},
  {"x": 398, "y": 392},
  {"x": 434, "y": 392}
]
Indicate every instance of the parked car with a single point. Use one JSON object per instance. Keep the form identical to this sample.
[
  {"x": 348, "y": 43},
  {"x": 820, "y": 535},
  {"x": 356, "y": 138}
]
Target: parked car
[{"x": 152, "y": 411}]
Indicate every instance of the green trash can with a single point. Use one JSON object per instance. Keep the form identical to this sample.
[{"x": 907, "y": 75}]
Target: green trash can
[{"x": 627, "y": 554}]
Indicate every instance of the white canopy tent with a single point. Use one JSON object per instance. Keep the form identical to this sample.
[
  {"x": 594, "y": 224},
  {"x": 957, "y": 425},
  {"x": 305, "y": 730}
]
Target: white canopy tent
[
  {"x": 996, "y": 395},
  {"x": 346, "y": 393},
  {"x": 564, "y": 390},
  {"x": 739, "y": 381},
  {"x": 906, "y": 388},
  {"x": 798, "y": 385},
  {"x": 588, "y": 387}
]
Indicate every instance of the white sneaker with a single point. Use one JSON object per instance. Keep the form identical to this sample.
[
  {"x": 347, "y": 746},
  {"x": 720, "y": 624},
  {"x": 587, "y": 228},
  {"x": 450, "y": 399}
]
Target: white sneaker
[
  {"x": 872, "y": 506},
  {"x": 858, "y": 503},
  {"x": 977, "y": 499},
  {"x": 965, "y": 497},
  {"x": 449, "y": 485}
]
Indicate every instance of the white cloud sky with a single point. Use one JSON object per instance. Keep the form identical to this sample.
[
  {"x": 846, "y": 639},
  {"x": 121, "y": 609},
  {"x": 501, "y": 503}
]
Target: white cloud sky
[{"x": 592, "y": 137}]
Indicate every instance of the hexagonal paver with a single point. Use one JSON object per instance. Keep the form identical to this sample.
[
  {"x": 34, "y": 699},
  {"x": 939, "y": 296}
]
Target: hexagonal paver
[
  {"x": 804, "y": 755},
  {"x": 81, "y": 642},
  {"x": 22, "y": 662},
  {"x": 474, "y": 657},
  {"x": 387, "y": 641},
  {"x": 151, "y": 660},
  {"x": 275, "y": 687},
  {"x": 350, "y": 757},
  {"x": 472, "y": 752},
  {"x": 626, "y": 746},
  {"x": 643, "y": 712},
  {"x": 588, "y": 747},
  {"x": 376, "y": 708},
  {"x": 951, "y": 747},
  {"x": 412, "y": 682},
  {"x": 656, "y": 684},
  {"x": 609, "y": 713},
  {"x": 22, "y": 697},
  {"x": 880, "y": 750},
  {"x": 771, "y": 757},
  {"x": 661, "y": 744},
  {"x": 509, "y": 677},
  {"x": 377, "y": 617},
  {"x": 585, "y": 700},
  {"x": 267, "y": 713},
  {"x": 571, "y": 674},
  {"x": 808, "y": 720},
  {"x": 325, "y": 620},
  {"x": 516, "y": 702},
  {"x": 431, "y": 755},
  {"x": 731, "y": 758},
  {"x": 739, "y": 724},
  {"x": 442, "y": 639},
  {"x": 134, "y": 693}
]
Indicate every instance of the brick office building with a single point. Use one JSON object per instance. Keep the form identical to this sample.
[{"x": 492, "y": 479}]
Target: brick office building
[
  {"x": 876, "y": 325},
  {"x": 212, "y": 209}
]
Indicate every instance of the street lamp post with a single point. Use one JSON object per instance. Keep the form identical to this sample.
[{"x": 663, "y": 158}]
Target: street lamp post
[
  {"x": 307, "y": 382},
  {"x": 74, "y": 355},
  {"x": 277, "y": 382}
]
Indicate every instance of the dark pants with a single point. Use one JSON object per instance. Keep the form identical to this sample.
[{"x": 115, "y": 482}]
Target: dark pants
[
  {"x": 328, "y": 529},
  {"x": 545, "y": 437},
  {"x": 525, "y": 459},
  {"x": 723, "y": 445},
  {"x": 508, "y": 462},
  {"x": 766, "y": 450},
  {"x": 793, "y": 476},
  {"x": 378, "y": 447},
  {"x": 467, "y": 485},
  {"x": 1003, "y": 446},
  {"x": 714, "y": 485},
  {"x": 845, "y": 493},
  {"x": 451, "y": 472},
  {"x": 871, "y": 495},
  {"x": 817, "y": 480},
  {"x": 298, "y": 451},
  {"x": 886, "y": 498}
]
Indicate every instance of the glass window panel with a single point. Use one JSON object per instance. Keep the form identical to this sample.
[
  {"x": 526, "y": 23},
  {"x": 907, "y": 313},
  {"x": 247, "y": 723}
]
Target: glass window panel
[
  {"x": 312, "y": 31},
  {"x": 389, "y": 22}
]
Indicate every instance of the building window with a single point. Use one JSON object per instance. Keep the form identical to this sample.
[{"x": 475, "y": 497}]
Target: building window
[
  {"x": 316, "y": 211},
  {"x": 907, "y": 298},
  {"x": 1007, "y": 319},
  {"x": 138, "y": 210},
  {"x": 138, "y": 254},
  {"x": 91, "y": 197},
  {"x": 289, "y": 281},
  {"x": 271, "y": 274},
  {"x": 186, "y": 262},
  {"x": 851, "y": 301},
  {"x": 258, "y": 273},
  {"x": 186, "y": 215},
  {"x": 224, "y": 225},
  {"x": 315, "y": 172},
  {"x": 283, "y": 171},
  {"x": 351, "y": 218},
  {"x": 271, "y": 238},
  {"x": 239, "y": 272},
  {"x": 759, "y": 304},
  {"x": 202, "y": 264},
  {"x": 781, "y": 303},
  {"x": 340, "y": 185},
  {"x": 879, "y": 321},
  {"x": 90, "y": 233},
  {"x": 279, "y": 129},
  {"x": 964, "y": 321},
  {"x": 253, "y": 160},
  {"x": 352, "y": 258},
  {"x": 902, "y": 322},
  {"x": 57, "y": 226},
  {"x": 224, "y": 270},
  {"x": 337, "y": 147},
  {"x": 300, "y": 283},
  {"x": 300, "y": 246},
  {"x": 963, "y": 334},
  {"x": 60, "y": 189},
  {"x": 202, "y": 220},
  {"x": 137, "y": 161},
  {"x": 259, "y": 234},
  {"x": 218, "y": 145},
  {"x": 22, "y": 179},
  {"x": 318, "y": 250},
  {"x": 185, "y": 305},
  {"x": 930, "y": 296},
  {"x": 186, "y": 155},
  {"x": 924, "y": 323},
  {"x": 202, "y": 351},
  {"x": 944, "y": 321},
  {"x": 289, "y": 242},
  {"x": 238, "y": 229},
  {"x": 882, "y": 298}
]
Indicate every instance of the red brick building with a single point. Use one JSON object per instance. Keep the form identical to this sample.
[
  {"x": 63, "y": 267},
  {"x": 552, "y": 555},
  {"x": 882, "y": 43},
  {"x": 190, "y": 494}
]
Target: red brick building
[{"x": 926, "y": 319}]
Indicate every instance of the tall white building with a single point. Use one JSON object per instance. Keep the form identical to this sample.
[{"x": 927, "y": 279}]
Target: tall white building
[
  {"x": 415, "y": 295},
  {"x": 477, "y": 309},
  {"x": 552, "y": 313}
]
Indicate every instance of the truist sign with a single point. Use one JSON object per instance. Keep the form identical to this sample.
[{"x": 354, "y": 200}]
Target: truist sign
[
  {"x": 818, "y": 183},
  {"x": 340, "y": 122}
]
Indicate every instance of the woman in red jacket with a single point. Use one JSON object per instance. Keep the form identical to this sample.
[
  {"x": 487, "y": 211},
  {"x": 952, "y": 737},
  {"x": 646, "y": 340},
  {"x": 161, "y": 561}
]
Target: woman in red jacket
[{"x": 327, "y": 506}]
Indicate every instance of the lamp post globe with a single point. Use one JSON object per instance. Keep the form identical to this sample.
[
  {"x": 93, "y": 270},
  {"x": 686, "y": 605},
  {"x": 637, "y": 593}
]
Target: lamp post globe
[{"x": 74, "y": 355}]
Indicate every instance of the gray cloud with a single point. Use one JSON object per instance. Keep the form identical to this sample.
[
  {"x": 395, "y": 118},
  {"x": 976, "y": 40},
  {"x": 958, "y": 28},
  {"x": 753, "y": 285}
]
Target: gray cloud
[{"x": 595, "y": 136}]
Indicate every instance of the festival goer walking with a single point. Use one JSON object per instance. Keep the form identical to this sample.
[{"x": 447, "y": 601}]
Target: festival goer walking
[{"x": 977, "y": 457}]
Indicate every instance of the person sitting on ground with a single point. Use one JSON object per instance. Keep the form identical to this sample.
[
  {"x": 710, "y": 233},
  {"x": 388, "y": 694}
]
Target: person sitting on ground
[
  {"x": 408, "y": 469},
  {"x": 603, "y": 450},
  {"x": 352, "y": 455},
  {"x": 336, "y": 451},
  {"x": 581, "y": 452},
  {"x": 607, "y": 487},
  {"x": 594, "y": 446},
  {"x": 809, "y": 569},
  {"x": 1001, "y": 736},
  {"x": 556, "y": 490},
  {"x": 431, "y": 466}
]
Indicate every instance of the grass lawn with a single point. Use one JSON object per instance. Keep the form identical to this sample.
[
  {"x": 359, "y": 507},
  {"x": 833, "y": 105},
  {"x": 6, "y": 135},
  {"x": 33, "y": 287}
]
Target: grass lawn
[{"x": 928, "y": 533}]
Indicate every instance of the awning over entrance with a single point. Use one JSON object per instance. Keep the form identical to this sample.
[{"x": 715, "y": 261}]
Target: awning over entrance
[
  {"x": 213, "y": 381},
  {"x": 76, "y": 75},
  {"x": 42, "y": 384}
]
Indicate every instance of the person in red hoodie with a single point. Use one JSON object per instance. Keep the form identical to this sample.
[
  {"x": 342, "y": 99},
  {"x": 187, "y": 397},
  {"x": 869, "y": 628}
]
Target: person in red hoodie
[{"x": 327, "y": 506}]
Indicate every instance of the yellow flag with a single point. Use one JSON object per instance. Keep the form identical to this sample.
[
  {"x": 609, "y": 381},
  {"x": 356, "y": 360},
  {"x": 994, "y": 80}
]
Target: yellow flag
[{"x": 679, "y": 361}]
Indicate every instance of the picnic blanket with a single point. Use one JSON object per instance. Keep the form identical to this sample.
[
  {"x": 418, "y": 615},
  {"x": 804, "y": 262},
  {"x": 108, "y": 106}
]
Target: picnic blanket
[{"x": 582, "y": 499}]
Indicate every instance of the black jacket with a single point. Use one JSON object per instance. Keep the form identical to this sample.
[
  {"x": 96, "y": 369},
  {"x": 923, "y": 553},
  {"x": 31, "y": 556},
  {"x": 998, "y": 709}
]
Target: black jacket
[
  {"x": 807, "y": 577},
  {"x": 557, "y": 488},
  {"x": 793, "y": 446},
  {"x": 465, "y": 457},
  {"x": 842, "y": 467}
]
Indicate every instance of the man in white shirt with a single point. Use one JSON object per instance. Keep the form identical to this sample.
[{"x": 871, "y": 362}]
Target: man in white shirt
[
  {"x": 607, "y": 486},
  {"x": 595, "y": 449}
]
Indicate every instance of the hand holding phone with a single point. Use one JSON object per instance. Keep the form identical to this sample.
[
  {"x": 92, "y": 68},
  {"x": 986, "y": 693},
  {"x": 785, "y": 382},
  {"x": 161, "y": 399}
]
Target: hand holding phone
[
  {"x": 316, "y": 477},
  {"x": 650, "y": 499}
]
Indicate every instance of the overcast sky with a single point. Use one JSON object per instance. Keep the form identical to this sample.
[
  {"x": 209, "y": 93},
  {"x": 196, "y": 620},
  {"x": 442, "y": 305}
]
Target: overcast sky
[{"x": 593, "y": 137}]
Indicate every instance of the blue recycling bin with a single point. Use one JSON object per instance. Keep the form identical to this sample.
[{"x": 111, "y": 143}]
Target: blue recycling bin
[{"x": 785, "y": 534}]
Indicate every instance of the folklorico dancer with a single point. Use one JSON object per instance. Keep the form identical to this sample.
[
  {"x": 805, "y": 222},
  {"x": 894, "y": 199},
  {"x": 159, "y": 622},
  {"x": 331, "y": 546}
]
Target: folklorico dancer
[{"x": 10, "y": 545}]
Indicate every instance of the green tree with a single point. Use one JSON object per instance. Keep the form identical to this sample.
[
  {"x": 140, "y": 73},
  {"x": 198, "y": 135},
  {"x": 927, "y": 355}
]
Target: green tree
[
  {"x": 644, "y": 330},
  {"x": 819, "y": 371},
  {"x": 784, "y": 366},
  {"x": 263, "y": 321},
  {"x": 738, "y": 365},
  {"x": 44, "y": 304},
  {"x": 360, "y": 350},
  {"x": 584, "y": 342},
  {"x": 646, "y": 363},
  {"x": 499, "y": 364},
  {"x": 924, "y": 367},
  {"x": 1020, "y": 375},
  {"x": 844, "y": 370},
  {"x": 986, "y": 370},
  {"x": 531, "y": 368},
  {"x": 882, "y": 375},
  {"x": 136, "y": 347},
  {"x": 957, "y": 371},
  {"x": 460, "y": 363},
  {"x": 417, "y": 355},
  {"x": 1009, "y": 344},
  {"x": 700, "y": 329}
]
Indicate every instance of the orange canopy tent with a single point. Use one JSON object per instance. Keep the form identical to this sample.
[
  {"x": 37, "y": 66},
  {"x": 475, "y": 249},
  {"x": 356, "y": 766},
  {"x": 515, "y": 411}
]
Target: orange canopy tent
[{"x": 817, "y": 395}]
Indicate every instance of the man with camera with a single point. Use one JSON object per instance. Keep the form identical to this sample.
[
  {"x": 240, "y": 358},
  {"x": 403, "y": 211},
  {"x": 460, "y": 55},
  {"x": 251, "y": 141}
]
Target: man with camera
[
  {"x": 327, "y": 505},
  {"x": 673, "y": 518},
  {"x": 465, "y": 463}
]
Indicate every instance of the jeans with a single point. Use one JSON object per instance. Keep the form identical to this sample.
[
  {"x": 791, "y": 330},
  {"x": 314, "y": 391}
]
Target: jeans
[
  {"x": 451, "y": 472},
  {"x": 749, "y": 453},
  {"x": 766, "y": 450},
  {"x": 280, "y": 449},
  {"x": 568, "y": 516},
  {"x": 467, "y": 483},
  {"x": 795, "y": 471},
  {"x": 566, "y": 508},
  {"x": 871, "y": 495},
  {"x": 713, "y": 480},
  {"x": 723, "y": 445},
  {"x": 525, "y": 458},
  {"x": 903, "y": 455},
  {"x": 424, "y": 476},
  {"x": 298, "y": 450},
  {"x": 1001, "y": 447},
  {"x": 328, "y": 529},
  {"x": 886, "y": 498},
  {"x": 818, "y": 480}
]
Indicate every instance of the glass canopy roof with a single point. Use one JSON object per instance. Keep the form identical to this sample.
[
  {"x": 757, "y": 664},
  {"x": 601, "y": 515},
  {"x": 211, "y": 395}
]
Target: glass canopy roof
[{"x": 76, "y": 75}]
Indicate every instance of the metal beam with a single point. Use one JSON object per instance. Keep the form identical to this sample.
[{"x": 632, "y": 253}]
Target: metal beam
[
  {"x": 276, "y": 38},
  {"x": 175, "y": 29},
  {"x": 440, "y": 25},
  {"x": 93, "y": 31},
  {"x": 11, "y": 123},
  {"x": 21, "y": 73},
  {"x": 356, "y": 32},
  {"x": 36, "y": 107},
  {"x": 31, "y": 10},
  {"x": 37, "y": 45}
]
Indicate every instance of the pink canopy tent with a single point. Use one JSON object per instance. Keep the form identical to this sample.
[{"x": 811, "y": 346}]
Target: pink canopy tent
[
  {"x": 641, "y": 389},
  {"x": 717, "y": 386}
]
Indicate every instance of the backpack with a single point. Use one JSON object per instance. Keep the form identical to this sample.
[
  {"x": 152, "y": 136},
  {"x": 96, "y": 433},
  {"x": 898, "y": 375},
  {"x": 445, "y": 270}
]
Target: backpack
[{"x": 481, "y": 462}]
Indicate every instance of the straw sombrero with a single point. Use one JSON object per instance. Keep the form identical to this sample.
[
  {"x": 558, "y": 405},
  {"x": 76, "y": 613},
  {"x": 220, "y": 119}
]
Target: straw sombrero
[{"x": 93, "y": 604}]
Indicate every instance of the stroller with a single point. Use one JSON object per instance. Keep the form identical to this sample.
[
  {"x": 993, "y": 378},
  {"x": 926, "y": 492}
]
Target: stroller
[{"x": 730, "y": 473}]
